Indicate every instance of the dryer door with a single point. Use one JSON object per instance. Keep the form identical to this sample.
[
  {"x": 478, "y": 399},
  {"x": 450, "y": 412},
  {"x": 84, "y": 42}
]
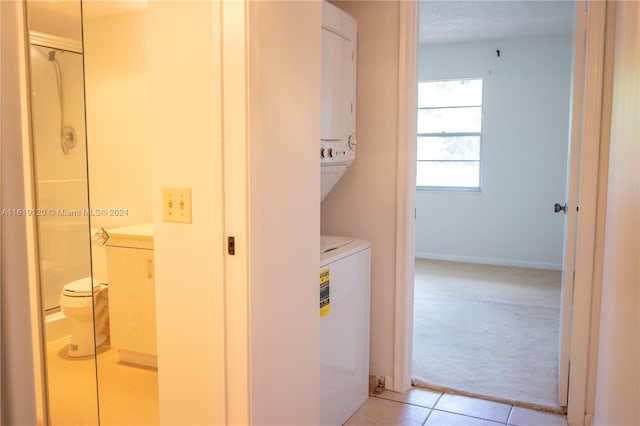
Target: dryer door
[{"x": 338, "y": 76}]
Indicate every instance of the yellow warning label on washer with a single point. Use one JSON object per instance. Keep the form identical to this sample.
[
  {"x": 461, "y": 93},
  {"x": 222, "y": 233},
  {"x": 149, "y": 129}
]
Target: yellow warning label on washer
[{"x": 325, "y": 284}]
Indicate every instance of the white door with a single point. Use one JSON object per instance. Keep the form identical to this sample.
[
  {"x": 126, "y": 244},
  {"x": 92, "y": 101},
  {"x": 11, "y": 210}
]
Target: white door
[
  {"x": 582, "y": 193},
  {"x": 570, "y": 207}
]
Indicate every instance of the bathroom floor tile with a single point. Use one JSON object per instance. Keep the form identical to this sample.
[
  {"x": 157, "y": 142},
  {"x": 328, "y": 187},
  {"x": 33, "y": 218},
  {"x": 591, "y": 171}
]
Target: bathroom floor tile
[
  {"x": 442, "y": 418},
  {"x": 526, "y": 417},
  {"x": 128, "y": 394},
  {"x": 382, "y": 412},
  {"x": 474, "y": 407},
  {"x": 415, "y": 396}
]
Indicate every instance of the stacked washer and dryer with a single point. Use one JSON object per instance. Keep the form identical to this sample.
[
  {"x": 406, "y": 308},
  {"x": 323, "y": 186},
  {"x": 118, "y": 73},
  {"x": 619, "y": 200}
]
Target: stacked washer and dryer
[{"x": 345, "y": 262}]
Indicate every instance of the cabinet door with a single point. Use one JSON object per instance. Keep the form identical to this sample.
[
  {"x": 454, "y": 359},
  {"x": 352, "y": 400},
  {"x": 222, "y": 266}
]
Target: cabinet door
[{"x": 132, "y": 299}]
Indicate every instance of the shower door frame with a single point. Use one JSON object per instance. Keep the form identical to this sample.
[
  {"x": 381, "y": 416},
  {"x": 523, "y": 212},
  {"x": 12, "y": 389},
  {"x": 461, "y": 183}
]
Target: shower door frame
[
  {"x": 48, "y": 41},
  {"x": 39, "y": 329}
]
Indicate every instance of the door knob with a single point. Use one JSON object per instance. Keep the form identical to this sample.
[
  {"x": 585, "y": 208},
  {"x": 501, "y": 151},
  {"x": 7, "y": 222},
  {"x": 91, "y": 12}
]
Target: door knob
[{"x": 560, "y": 208}]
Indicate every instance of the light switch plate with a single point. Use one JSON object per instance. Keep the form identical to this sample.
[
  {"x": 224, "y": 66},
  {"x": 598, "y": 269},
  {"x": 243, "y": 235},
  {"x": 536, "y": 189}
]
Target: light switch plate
[{"x": 176, "y": 205}]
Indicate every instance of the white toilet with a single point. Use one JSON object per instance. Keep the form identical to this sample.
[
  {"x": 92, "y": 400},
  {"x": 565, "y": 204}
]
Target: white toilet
[{"x": 79, "y": 300}]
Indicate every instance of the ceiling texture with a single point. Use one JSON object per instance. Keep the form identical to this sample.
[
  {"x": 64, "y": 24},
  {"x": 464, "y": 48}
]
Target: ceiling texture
[{"x": 449, "y": 21}]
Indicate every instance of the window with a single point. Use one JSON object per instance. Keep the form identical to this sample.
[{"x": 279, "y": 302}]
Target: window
[{"x": 449, "y": 134}]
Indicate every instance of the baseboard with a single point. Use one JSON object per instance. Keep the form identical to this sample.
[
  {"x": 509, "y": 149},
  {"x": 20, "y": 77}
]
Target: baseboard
[
  {"x": 489, "y": 261},
  {"x": 377, "y": 384},
  {"x": 136, "y": 358},
  {"x": 388, "y": 382}
]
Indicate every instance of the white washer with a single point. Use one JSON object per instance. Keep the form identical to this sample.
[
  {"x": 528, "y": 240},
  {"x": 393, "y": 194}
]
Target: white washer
[{"x": 344, "y": 327}]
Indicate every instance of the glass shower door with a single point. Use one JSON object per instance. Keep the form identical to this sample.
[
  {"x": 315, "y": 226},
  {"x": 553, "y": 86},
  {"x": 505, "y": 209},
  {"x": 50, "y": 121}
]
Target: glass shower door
[
  {"x": 63, "y": 223},
  {"x": 62, "y": 201}
]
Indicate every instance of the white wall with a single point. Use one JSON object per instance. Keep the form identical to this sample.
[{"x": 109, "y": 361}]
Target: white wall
[
  {"x": 363, "y": 202},
  {"x": 119, "y": 149},
  {"x": 194, "y": 277},
  {"x": 618, "y": 379},
  {"x": 524, "y": 155},
  {"x": 185, "y": 127},
  {"x": 284, "y": 100},
  {"x": 117, "y": 103}
]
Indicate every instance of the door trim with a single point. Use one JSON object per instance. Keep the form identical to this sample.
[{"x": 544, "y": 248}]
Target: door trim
[
  {"x": 589, "y": 248},
  {"x": 582, "y": 318},
  {"x": 405, "y": 202},
  {"x": 589, "y": 254},
  {"x": 234, "y": 28}
]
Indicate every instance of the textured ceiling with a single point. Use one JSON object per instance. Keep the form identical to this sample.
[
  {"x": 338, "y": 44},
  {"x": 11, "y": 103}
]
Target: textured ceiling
[{"x": 446, "y": 21}]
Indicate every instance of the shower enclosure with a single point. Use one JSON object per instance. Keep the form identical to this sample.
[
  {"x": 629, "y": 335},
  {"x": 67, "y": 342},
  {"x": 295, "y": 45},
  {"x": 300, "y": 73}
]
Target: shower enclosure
[
  {"x": 85, "y": 58},
  {"x": 62, "y": 219},
  {"x": 61, "y": 166}
]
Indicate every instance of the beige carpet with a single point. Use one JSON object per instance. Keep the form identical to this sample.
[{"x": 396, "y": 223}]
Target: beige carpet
[{"x": 487, "y": 331}]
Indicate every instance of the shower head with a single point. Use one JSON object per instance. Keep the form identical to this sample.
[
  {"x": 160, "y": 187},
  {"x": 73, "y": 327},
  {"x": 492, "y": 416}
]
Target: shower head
[{"x": 68, "y": 138}]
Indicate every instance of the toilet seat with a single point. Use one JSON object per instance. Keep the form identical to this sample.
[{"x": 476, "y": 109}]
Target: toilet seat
[{"x": 80, "y": 288}]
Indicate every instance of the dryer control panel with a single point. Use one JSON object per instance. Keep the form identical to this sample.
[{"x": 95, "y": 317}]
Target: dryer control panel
[{"x": 337, "y": 152}]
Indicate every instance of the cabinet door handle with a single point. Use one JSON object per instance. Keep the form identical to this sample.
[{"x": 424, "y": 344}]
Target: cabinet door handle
[{"x": 149, "y": 268}]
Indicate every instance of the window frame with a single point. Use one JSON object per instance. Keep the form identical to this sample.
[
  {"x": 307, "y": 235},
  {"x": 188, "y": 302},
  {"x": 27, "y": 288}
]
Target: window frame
[{"x": 479, "y": 135}]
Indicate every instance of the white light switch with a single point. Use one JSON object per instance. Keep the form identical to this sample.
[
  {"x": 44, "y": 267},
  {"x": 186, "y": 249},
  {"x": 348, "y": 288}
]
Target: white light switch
[{"x": 176, "y": 205}]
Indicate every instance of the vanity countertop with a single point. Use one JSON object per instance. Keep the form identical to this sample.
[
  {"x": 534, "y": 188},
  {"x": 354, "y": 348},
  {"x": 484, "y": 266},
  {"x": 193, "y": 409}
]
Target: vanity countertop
[
  {"x": 143, "y": 230},
  {"x": 136, "y": 236}
]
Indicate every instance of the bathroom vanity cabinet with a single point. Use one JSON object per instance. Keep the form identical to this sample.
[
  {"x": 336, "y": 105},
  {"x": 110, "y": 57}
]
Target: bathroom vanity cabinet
[{"x": 132, "y": 300}]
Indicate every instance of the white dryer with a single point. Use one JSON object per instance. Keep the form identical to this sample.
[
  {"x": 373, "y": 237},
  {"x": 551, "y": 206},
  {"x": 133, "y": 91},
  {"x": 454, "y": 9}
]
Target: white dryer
[
  {"x": 338, "y": 116},
  {"x": 345, "y": 298}
]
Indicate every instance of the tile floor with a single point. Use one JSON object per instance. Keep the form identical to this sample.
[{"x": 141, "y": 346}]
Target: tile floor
[
  {"x": 127, "y": 394},
  {"x": 424, "y": 407}
]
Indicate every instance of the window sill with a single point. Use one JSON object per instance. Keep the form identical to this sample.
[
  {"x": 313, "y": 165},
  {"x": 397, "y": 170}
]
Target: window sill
[{"x": 456, "y": 189}]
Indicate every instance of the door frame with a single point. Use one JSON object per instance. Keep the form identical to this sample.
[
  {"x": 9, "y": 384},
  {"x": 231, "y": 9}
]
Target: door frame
[
  {"x": 593, "y": 182},
  {"x": 589, "y": 245},
  {"x": 405, "y": 193}
]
